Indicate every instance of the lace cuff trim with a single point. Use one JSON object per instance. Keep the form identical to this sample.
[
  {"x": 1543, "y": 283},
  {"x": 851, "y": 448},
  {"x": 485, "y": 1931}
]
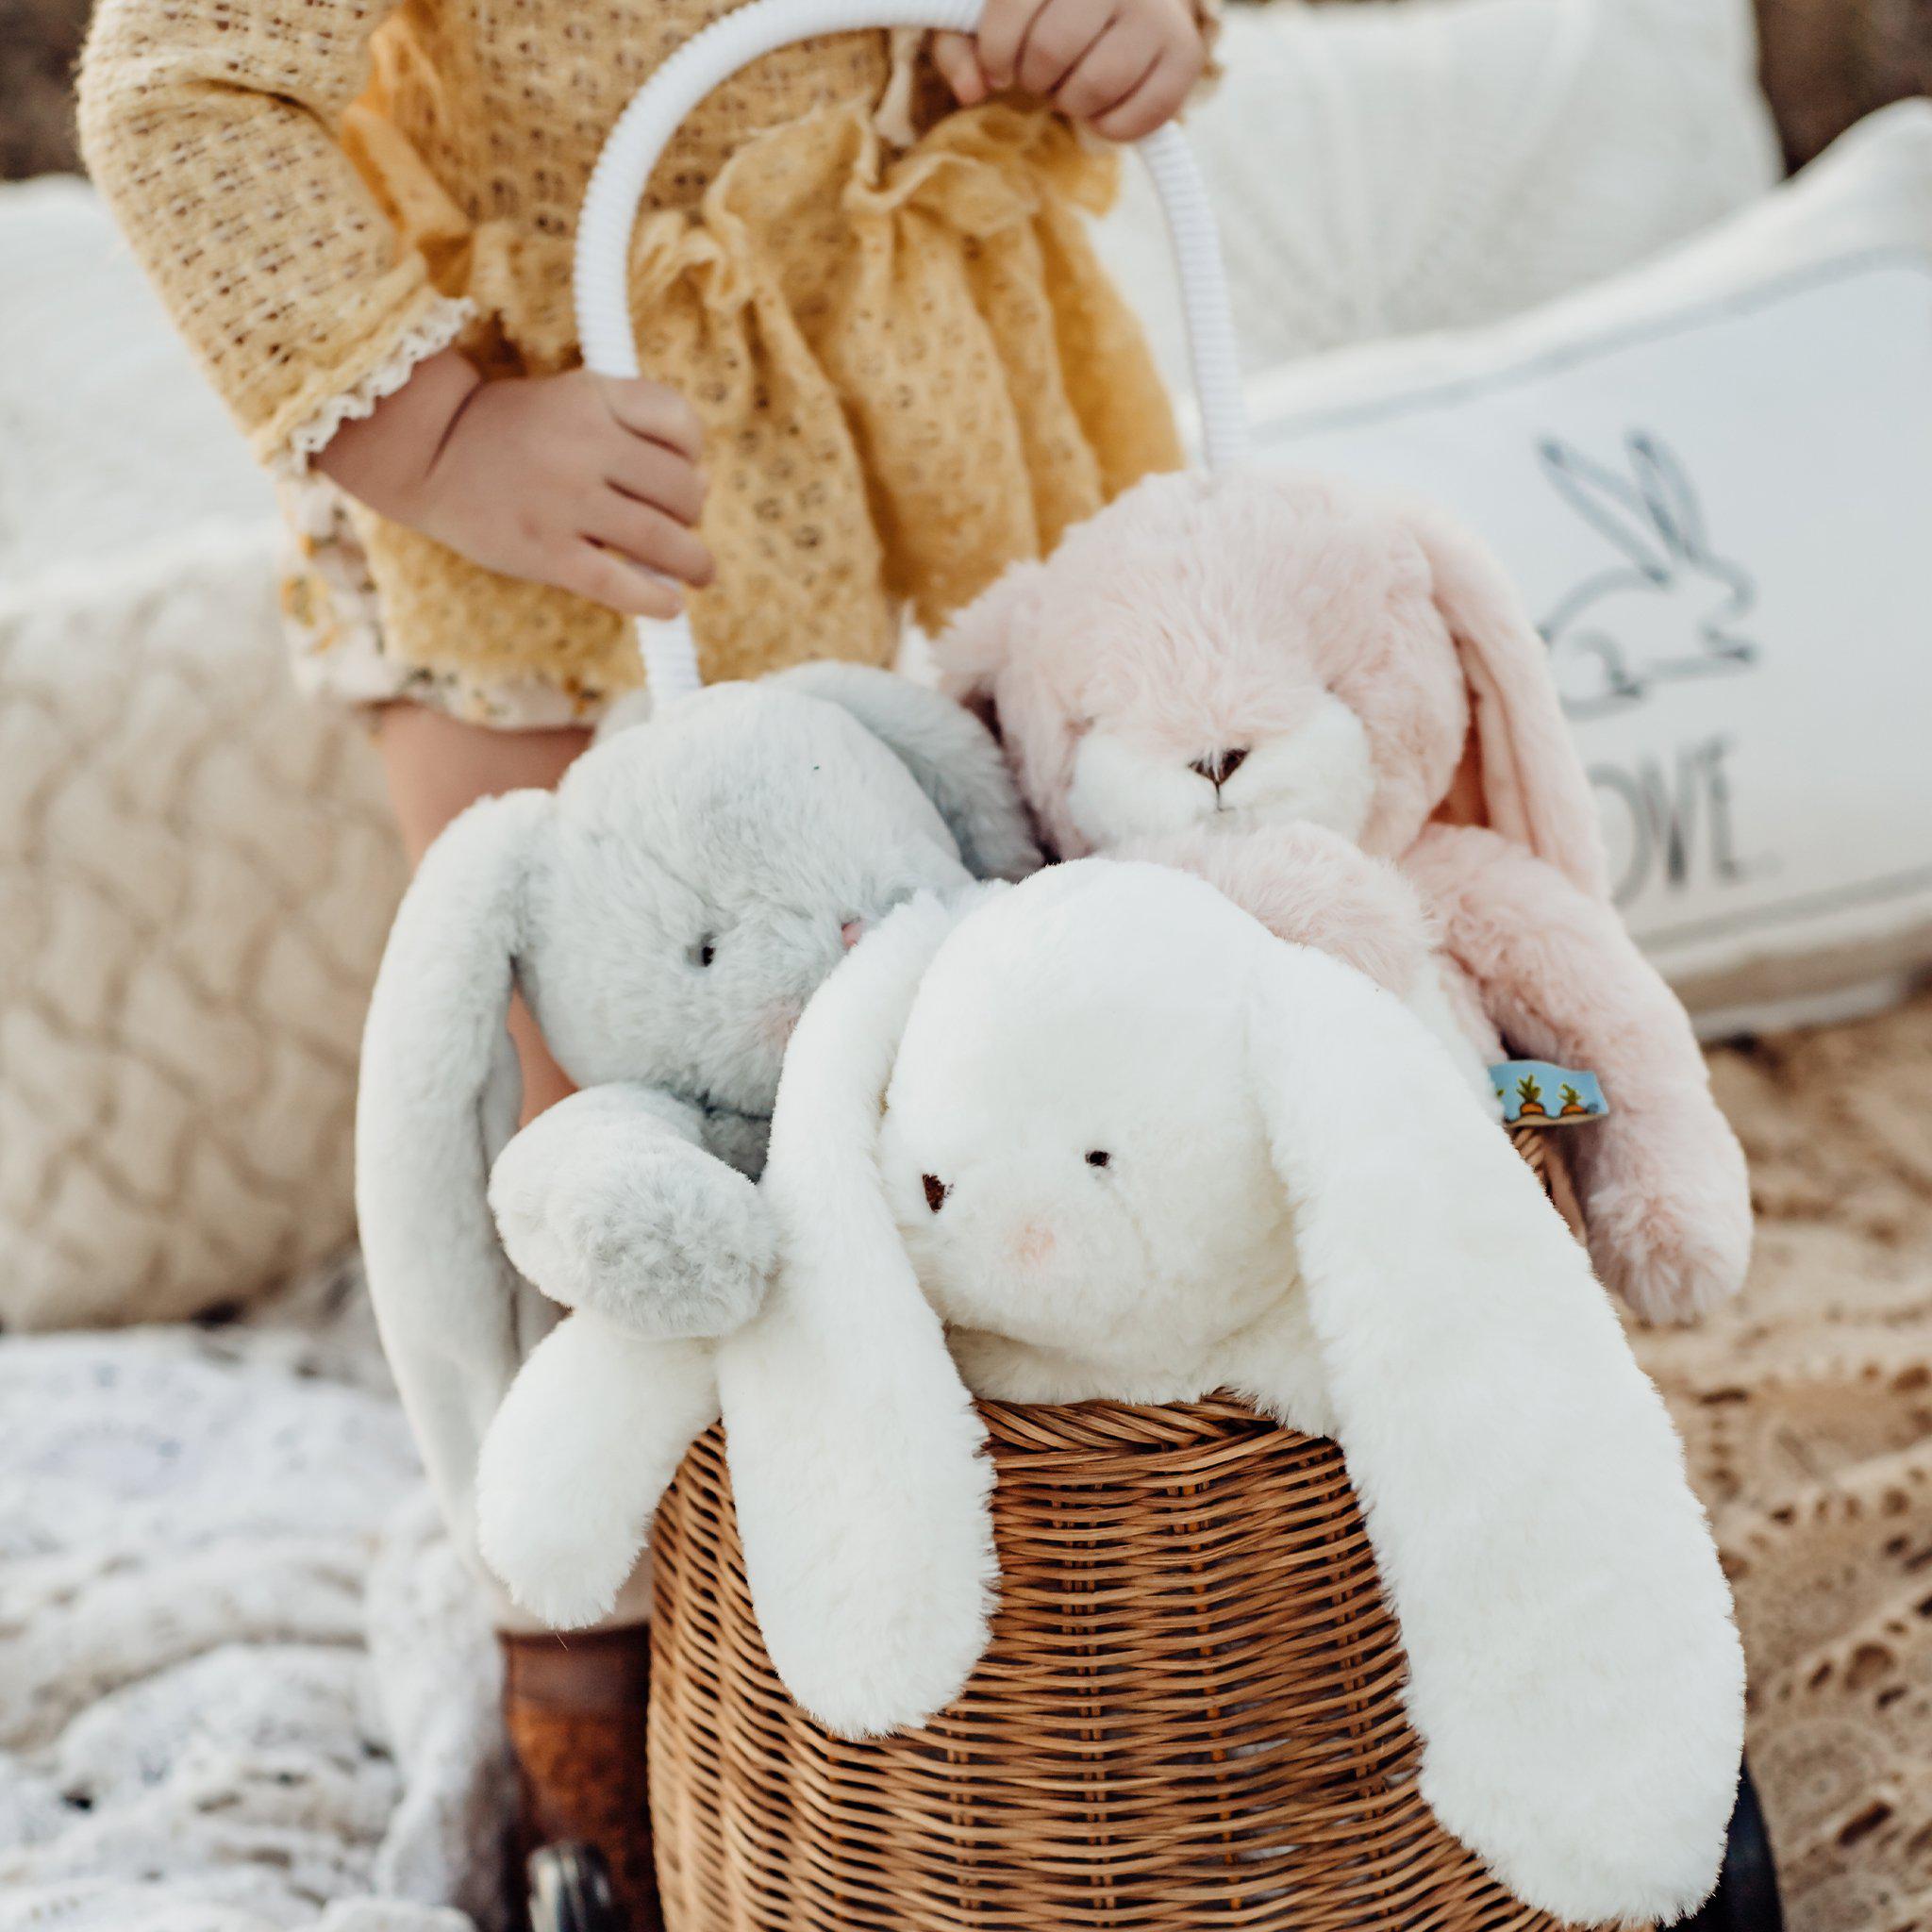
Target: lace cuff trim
[{"x": 434, "y": 330}]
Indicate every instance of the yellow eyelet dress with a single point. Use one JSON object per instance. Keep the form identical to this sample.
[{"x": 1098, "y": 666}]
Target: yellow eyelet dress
[{"x": 910, "y": 369}]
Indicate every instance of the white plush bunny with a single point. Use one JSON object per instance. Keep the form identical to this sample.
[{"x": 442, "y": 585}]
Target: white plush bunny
[
  {"x": 666, "y": 913},
  {"x": 1104, "y": 1135}
]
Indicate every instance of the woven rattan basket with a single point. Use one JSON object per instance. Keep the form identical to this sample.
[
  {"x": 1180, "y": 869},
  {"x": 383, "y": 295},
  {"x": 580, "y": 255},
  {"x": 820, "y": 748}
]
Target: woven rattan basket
[{"x": 1190, "y": 1714}]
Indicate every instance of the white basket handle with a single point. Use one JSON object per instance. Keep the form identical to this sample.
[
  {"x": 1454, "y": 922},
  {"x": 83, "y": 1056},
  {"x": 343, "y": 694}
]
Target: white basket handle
[{"x": 609, "y": 215}]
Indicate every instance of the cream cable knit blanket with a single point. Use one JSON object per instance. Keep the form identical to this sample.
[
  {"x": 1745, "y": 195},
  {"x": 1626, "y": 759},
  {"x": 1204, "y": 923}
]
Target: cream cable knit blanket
[
  {"x": 244, "y": 1683},
  {"x": 197, "y": 868}
]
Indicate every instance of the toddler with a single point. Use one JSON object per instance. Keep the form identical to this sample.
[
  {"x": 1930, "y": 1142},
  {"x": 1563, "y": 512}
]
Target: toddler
[{"x": 887, "y": 365}]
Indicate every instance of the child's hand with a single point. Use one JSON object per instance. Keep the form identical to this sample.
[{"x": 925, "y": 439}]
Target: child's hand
[
  {"x": 574, "y": 480},
  {"x": 1123, "y": 66}
]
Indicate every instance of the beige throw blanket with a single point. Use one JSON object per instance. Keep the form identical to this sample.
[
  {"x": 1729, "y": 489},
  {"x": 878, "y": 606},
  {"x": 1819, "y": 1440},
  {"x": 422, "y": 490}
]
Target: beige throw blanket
[{"x": 1808, "y": 1413}]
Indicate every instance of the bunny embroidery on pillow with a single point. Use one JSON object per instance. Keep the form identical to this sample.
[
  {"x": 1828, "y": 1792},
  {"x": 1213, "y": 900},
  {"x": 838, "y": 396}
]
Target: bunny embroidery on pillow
[
  {"x": 666, "y": 913},
  {"x": 1210, "y": 658},
  {"x": 1667, "y": 586}
]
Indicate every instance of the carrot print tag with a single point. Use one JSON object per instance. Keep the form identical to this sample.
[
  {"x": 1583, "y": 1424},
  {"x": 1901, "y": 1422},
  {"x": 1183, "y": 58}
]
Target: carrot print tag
[{"x": 1534, "y": 1093}]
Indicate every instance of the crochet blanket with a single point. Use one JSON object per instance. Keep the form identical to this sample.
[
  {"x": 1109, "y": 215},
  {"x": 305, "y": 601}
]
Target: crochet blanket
[
  {"x": 1807, "y": 1411},
  {"x": 244, "y": 1683}
]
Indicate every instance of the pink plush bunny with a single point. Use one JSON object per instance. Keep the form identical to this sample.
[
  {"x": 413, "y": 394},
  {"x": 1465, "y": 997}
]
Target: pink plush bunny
[{"x": 1210, "y": 658}]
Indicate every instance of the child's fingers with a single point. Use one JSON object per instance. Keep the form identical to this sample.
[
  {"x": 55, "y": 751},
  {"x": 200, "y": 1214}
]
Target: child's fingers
[
  {"x": 653, "y": 474},
  {"x": 605, "y": 579},
  {"x": 957, "y": 62},
  {"x": 656, "y": 413},
  {"x": 1107, "y": 75},
  {"x": 1001, "y": 32},
  {"x": 1061, "y": 33},
  {"x": 646, "y": 535},
  {"x": 1154, "y": 102}
]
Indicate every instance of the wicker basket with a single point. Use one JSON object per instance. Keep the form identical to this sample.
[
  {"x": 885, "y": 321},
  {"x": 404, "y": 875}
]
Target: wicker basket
[{"x": 1190, "y": 1714}]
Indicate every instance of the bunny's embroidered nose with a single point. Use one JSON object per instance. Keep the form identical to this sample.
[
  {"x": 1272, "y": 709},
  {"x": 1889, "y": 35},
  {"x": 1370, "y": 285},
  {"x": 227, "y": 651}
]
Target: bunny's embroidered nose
[
  {"x": 851, "y": 932},
  {"x": 936, "y": 1190},
  {"x": 1218, "y": 767}
]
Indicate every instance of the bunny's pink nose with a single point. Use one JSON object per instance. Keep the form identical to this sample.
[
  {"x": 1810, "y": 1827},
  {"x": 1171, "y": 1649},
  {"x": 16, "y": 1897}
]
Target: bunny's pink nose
[{"x": 849, "y": 933}]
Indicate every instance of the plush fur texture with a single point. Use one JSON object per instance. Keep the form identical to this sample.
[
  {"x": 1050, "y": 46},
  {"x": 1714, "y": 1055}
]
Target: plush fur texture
[
  {"x": 613, "y": 1201},
  {"x": 1311, "y": 886},
  {"x": 583, "y": 1445},
  {"x": 855, "y": 1450},
  {"x": 611, "y": 1188},
  {"x": 1134, "y": 1146},
  {"x": 1216, "y": 656},
  {"x": 873, "y": 1601},
  {"x": 667, "y": 913},
  {"x": 1669, "y": 1200}
]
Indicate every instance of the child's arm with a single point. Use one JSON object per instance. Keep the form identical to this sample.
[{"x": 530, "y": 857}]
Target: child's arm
[
  {"x": 574, "y": 480},
  {"x": 1123, "y": 66},
  {"x": 215, "y": 128}
]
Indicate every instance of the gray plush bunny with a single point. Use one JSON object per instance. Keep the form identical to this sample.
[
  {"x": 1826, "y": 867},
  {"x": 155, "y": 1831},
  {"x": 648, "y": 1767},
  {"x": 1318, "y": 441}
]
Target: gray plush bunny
[{"x": 666, "y": 913}]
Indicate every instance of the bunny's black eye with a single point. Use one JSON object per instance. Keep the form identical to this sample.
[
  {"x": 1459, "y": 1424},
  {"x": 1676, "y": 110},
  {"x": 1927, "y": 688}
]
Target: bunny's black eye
[
  {"x": 703, "y": 952},
  {"x": 936, "y": 1190},
  {"x": 1099, "y": 1157}
]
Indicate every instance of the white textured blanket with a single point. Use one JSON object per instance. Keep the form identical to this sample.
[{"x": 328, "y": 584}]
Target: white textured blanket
[{"x": 244, "y": 1683}]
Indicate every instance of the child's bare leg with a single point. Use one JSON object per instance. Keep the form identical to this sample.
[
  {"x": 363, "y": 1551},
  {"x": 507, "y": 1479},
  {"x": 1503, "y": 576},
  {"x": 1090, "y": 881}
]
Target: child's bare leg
[
  {"x": 437, "y": 765},
  {"x": 575, "y": 1711}
]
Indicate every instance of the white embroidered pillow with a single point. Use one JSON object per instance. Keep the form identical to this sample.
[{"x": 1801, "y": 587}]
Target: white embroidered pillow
[{"x": 1712, "y": 480}]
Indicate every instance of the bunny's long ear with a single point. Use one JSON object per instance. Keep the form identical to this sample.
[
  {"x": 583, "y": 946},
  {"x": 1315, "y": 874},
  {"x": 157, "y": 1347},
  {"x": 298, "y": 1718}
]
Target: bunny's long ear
[
  {"x": 1622, "y": 512},
  {"x": 953, "y": 757},
  {"x": 855, "y": 1452},
  {"x": 438, "y": 1097},
  {"x": 990, "y": 658},
  {"x": 1574, "y": 1669},
  {"x": 1532, "y": 782},
  {"x": 983, "y": 638}
]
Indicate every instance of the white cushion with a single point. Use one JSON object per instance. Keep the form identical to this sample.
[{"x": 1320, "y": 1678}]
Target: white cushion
[
  {"x": 196, "y": 867},
  {"x": 1730, "y": 451},
  {"x": 1384, "y": 169}
]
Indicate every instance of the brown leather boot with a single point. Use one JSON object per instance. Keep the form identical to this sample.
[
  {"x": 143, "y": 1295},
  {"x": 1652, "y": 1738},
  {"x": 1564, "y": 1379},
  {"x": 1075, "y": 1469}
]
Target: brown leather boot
[{"x": 576, "y": 1710}]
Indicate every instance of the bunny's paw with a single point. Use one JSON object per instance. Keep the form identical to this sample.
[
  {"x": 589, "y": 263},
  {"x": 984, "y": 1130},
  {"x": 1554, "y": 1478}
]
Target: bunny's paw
[
  {"x": 1668, "y": 1206},
  {"x": 1310, "y": 886},
  {"x": 577, "y": 1457},
  {"x": 651, "y": 1231},
  {"x": 557, "y": 1518},
  {"x": 563, "y": 1565}
]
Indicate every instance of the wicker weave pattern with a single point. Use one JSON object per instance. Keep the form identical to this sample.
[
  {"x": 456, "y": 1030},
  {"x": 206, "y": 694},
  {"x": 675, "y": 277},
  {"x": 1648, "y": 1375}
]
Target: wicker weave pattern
[{"x": 1190, "y": 1714}]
